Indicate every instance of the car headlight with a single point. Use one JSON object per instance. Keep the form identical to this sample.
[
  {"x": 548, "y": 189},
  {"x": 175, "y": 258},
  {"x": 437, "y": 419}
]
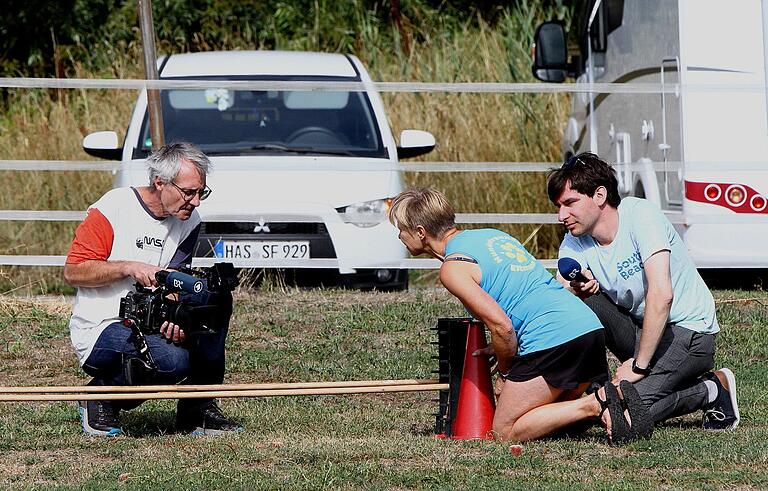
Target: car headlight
[{"x": 366, "y": 213}]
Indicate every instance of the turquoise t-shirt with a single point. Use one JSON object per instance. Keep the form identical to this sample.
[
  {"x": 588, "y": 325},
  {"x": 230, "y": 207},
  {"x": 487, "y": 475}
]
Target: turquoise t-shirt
[
  {"x": 618, "y": 267},
  {"x": 543, "y": 313}
]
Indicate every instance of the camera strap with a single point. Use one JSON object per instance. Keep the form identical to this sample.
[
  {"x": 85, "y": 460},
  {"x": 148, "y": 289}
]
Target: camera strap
[
  {"x": 136, "y": 371},
  {"x": 140, "y": 343}
]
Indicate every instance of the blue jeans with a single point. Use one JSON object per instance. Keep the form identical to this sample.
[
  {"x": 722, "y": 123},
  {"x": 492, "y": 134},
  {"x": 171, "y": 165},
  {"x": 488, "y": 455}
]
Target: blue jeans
[{"x": 197, "y": 361}]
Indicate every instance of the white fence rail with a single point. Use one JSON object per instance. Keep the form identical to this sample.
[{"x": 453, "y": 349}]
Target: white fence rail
[
  {"x": 476, "y": 218},
  {"x": 422, "y": 87}
]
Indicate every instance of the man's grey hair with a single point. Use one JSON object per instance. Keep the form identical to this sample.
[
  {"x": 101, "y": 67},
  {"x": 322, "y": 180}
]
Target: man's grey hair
[{"x": 165, "y": 162}]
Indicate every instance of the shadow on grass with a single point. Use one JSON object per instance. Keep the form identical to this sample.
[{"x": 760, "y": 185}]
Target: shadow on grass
[
  {"x": 140, "y": 423},
  {"x": 687, "y": 422},
  {"x": 584, "y": 431},
  {"x": 418, "y": 429}
]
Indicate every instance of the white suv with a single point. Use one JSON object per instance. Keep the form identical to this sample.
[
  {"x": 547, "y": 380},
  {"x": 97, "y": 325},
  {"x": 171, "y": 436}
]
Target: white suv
[{"x": 289, "y": 167}]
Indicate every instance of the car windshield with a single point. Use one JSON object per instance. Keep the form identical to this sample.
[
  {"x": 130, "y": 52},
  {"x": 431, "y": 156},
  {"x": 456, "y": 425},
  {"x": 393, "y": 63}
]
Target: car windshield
[{"x": 246, "y": 122}]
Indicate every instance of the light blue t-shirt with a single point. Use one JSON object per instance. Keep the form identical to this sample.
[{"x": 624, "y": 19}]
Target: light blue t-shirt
[
  {"x": 543, "y": 313},
  {"x": 618, "y": 267}
]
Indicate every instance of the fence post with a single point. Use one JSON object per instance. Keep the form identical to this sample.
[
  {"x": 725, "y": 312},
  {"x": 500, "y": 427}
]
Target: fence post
[{"x": 154, "y": 107}]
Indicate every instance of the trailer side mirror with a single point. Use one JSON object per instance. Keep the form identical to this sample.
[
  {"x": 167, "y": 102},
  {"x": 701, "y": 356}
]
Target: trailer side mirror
[{"x": 550, "y": 53}]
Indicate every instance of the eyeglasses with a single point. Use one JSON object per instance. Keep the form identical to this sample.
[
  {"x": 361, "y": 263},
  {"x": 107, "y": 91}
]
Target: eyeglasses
[
  {"x": 189, "y": 194},
  {"x": 571, "y": 162}
]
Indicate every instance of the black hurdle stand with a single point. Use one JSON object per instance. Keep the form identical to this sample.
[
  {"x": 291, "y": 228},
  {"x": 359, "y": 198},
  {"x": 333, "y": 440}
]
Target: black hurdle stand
[{"x": 451, "y": 344}]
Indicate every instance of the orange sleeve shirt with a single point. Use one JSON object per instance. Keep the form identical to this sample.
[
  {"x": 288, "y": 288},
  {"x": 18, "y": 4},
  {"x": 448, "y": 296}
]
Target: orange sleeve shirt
[{"x": 93, "y": 239}]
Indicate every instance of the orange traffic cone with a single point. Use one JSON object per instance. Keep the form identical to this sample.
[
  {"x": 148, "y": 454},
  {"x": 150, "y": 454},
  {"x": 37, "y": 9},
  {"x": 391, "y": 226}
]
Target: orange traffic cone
[{"x": 474, "y": 411}]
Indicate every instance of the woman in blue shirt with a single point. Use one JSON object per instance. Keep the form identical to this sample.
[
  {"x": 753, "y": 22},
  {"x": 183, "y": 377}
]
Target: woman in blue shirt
[{"x": 549, "y": 346}]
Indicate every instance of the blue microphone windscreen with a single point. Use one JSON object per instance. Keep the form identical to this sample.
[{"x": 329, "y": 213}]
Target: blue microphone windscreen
[
  {"x": 569, "y": 268},
  {"x": 184, "y": 282}
]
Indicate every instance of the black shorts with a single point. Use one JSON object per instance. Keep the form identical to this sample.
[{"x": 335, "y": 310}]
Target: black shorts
[{"x": 566, "y": 366}]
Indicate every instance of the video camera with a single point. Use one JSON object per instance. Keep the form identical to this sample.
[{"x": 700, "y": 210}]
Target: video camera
[{"x": 147, "y": 309}]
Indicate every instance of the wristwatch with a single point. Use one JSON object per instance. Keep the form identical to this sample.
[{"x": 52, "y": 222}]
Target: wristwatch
[{"x": 640, "y": 371}]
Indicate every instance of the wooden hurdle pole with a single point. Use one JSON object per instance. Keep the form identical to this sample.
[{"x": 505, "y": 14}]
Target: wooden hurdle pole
[
  {"x": 85, "y": 389},
  {"x": 113, "y": 396}
]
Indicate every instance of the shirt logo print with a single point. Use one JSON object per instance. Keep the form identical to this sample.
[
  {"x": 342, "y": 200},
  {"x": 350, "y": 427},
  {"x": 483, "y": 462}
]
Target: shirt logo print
[
  {"x": 152, "y": 243},
  {"x": 630, "y": 266},
  {"x": 503, "y": 249}
]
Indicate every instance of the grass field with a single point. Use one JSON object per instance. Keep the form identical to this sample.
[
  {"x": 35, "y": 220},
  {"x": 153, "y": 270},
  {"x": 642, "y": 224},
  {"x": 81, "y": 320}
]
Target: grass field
[{"x": 353, "y": 441}]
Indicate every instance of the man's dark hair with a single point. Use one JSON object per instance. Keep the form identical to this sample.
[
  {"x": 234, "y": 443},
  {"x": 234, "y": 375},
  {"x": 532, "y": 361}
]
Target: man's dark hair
[{"x": 586, "y": 172}]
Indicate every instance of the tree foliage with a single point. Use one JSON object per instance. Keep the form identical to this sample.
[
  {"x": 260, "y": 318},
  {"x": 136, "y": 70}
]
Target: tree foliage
[{"x": 47, "y": 38}]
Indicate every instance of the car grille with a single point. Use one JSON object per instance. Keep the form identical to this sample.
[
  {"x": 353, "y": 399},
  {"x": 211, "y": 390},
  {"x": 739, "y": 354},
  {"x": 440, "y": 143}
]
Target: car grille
[{"x": 237, "y": 228}]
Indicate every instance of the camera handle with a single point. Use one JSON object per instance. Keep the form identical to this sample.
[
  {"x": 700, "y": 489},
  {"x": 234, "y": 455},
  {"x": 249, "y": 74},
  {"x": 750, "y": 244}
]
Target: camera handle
[{"x": 140, "y": 343}]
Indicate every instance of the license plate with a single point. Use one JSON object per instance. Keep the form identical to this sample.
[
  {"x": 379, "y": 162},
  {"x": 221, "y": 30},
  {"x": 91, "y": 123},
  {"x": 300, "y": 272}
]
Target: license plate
[{"x": 261, "y": 249}]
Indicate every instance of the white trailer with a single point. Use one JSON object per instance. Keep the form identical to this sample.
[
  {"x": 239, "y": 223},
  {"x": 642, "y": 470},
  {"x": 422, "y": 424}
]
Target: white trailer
[{"x": 701, "y": 152}]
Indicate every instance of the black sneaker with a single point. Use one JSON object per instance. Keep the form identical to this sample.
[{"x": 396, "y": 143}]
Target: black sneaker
[
  {"x": 99, "y": 418},
  {"x": 205, "y": 420},
  {"x": 723, "y": 412}
]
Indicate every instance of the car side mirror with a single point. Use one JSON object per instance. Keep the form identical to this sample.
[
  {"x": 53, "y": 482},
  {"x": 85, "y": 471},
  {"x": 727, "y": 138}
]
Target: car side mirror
[
  {"x": 550, "y": 53},
  {"x": 103, "y": 144},
  {"x": 414, "y": 143}
]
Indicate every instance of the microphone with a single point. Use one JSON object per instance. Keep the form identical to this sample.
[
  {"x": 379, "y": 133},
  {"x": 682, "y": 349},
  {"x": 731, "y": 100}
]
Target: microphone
[
  {"x": 180, "y": 281},
  {"x": 570, "y": 269}
]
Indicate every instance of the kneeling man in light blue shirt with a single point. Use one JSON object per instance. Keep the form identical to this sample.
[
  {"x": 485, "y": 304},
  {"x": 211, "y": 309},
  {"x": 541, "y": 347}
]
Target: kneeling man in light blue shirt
[{"x": 659, "y": 316}]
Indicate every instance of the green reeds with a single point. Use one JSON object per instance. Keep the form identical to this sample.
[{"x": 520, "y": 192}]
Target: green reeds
[{"x": 50, "y": 124}]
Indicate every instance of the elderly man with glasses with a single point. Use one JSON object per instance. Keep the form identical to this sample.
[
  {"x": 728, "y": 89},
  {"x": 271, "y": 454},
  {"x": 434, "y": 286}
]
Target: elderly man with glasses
[
  {"x": 639, "y": 279},
  {"x": 128, "y": 235}
]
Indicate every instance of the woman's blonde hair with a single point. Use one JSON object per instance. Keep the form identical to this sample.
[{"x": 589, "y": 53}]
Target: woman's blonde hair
[{"x": 427, "y": 207}]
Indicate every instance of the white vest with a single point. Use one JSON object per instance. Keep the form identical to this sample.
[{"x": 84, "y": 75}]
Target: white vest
[{"x": 137, "y": 236}]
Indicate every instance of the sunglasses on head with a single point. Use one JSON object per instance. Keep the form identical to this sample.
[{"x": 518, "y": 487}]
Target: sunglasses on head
[{"x": 572, "y": 162}]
